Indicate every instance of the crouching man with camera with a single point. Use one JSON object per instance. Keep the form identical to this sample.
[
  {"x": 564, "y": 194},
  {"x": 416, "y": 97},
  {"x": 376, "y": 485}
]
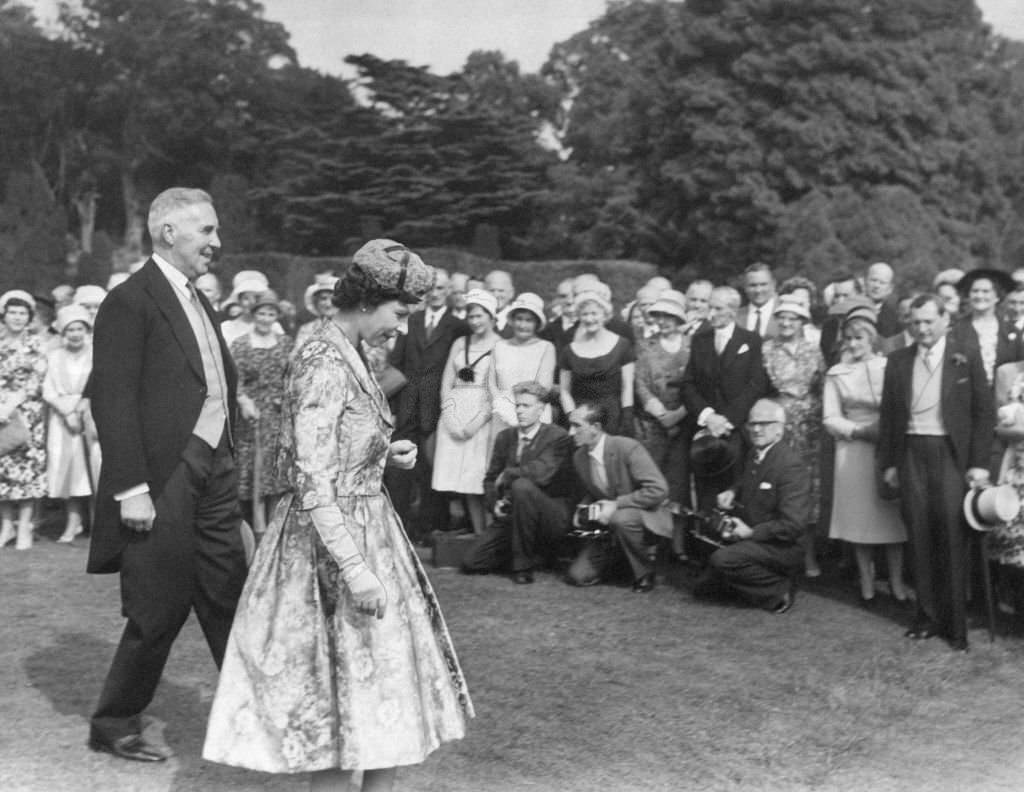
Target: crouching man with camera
[
  {"x": 624, "y": 491},
  {"x": 528, "y": 487},
  {"x": 762, "y": 538}
]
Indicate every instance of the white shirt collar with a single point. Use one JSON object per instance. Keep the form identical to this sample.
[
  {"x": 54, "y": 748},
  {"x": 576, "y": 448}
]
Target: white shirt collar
[
  {"x": 760, "y": 454},
  {"x": 531, "y": 433},
  {"x": 597, "y": 452},
  {"x": 934, "y": 354},
  {"x": 435, "y": 314},
  {"x": 172, "y": 273},
  {"x": 725, "y": 332}
]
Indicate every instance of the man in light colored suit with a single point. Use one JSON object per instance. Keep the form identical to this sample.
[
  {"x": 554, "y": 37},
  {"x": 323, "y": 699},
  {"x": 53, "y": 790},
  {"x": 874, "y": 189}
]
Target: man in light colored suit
[{"x": 628, "y": 494}]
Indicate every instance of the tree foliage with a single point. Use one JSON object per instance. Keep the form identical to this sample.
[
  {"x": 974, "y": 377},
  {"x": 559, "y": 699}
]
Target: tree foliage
[{"x": 736, "y": 117}]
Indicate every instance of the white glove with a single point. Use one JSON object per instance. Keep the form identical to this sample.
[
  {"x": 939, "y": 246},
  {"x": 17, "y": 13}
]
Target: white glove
[{"x": 368, "y": 592}]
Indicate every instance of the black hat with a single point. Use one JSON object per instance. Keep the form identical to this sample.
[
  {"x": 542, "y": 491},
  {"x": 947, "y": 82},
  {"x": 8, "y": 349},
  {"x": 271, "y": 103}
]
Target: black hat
[
  {"x": 712, "y": 456},
  {"x": 1001, "y": 279}
]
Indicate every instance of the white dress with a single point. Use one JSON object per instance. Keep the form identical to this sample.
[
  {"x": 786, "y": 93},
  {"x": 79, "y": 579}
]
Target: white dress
[
  {"x": 460, "y": 464},
  {"x": 515, "y": 363},
  {"x": 66, "y": 473}
]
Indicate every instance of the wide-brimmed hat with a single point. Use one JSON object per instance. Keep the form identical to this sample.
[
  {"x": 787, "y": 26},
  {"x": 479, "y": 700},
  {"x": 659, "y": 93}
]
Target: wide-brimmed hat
[
  {"x": 713, "y": 456},
  {"x": 484, "y": 299},
  {"x": 89, "y": 295},
  {"x": 70, "y": 314},
  {"x": 17, "y": 294},
  {"x": 1001, "y": 279},
  {"x": 863, "y": 313},
  {"x": 323, "y": 283},
  {"x": 246, "y": 277},
  {"x": 790, "y": 304},
  {"x": 528, "y": 301},
  {"x": 267, "y": 297},
  {"x": 671, "y": 303},
  {"x": 986, "y": 508},
  {"x": 391, "y": 265},
  {"x": 847, "y": 304}
]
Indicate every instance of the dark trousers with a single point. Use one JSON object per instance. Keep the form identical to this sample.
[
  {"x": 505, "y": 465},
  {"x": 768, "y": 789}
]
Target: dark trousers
[
  {"x": 628, "y": 537},
  {"x": 932, "y": 491},
  {"x": 760, "y": 572},
  {"x": 192, "y": 558},
  {"x": 407, "y": 486},
  {"x": 534, "y": 527}
]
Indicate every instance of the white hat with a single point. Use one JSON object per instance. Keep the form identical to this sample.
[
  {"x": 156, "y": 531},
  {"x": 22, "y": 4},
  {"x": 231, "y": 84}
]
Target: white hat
[
  {"x": 988, "y": 507},
  {"x": 17, "y": 294},
  {"x": 323, "y": 283},
  {"x": 246, "y": 276},
  {"x": 484, "y": 299},
  {"x": 528, "y": 301},
  {"x": 594, "y": 296},
  {"x": 89, "y": 295},
  {"x": 787, "y": 303},
  {"x": 70, "y": 314},
  {"x": 669, "y": 302}
]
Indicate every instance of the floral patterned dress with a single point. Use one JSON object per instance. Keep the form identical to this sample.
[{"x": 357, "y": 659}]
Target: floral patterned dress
[
  {"x": 795, "y": 373},
  {"x": 261, "y": 375},
  {"x": 309, "y": 683},
  {"x": 22, "y": 368}
]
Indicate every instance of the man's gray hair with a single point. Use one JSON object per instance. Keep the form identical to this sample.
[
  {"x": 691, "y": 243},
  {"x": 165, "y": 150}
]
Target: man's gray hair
[
  {"x": 729, "y": 295},
  {"x": 170, "y": 201}
]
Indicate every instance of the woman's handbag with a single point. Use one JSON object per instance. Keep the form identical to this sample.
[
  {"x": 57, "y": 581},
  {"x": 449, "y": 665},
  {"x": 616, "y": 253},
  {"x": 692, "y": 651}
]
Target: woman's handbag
[{"x": 13, "y": 434}]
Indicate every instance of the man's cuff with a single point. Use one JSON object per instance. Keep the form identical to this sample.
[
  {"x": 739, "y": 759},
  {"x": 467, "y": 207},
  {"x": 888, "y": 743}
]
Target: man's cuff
[{"x": 138, "y": 489}]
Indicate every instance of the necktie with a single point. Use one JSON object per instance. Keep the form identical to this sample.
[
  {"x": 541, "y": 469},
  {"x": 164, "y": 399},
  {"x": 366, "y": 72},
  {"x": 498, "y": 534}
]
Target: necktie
[
  {"x": 928, "y": 361},
  {"x": 757, "y": 321},
  {"x": 524, "y": 441},
  {"x": 720, "y": 342},
  {"x": 431, "y": 323}
]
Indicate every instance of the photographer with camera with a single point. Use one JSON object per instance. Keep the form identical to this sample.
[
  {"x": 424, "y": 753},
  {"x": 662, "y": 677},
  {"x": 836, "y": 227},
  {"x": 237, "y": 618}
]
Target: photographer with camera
[
  {"x": 528, "y": 487},
  {"x": 768, "y": 508},
  {"x": 625, "y": 491}
]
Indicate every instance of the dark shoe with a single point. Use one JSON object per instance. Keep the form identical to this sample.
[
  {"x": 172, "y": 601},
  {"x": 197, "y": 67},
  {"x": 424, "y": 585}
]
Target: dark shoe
[
  {"x": 785, "y": 604},
  {"x": 643, "y": 584},
  {"x": 868, "y": 603},
  {"x": 132, "y": 747},
  {"x": 524, "y": 576},
  {"x": 959, "y": 645}
]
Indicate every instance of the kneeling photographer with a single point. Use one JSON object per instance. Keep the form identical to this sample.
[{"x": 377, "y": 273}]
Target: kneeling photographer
[{"x": 767, "y": 511}]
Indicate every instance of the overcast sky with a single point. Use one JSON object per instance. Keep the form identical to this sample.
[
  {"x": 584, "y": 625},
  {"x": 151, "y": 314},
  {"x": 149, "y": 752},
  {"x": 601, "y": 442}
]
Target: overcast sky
[{"x": 441, "y": 33}]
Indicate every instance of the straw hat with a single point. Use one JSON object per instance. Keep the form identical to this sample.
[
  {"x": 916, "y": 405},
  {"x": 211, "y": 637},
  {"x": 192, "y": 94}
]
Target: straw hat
[
  {"x": 670, "y": 302},
  {"x": 787, "y": 303},
  {"x": 323, "y": 283},
  {"x": 484, "y": 299},
  {"x": 70, "y": 314},
  {"x": 17, "y": 294},
  {"x": 528, "y": 301}
]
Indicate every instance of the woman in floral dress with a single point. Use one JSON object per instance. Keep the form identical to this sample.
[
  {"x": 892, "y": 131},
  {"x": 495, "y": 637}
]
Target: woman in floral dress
[
  {"x": 1005, "y": 543},
  {"x": 22, "y": 367},
  {"x": 339, "y": 658},
  {"x": 795, "y": 370},
  {"x": 261, "y": 357}
]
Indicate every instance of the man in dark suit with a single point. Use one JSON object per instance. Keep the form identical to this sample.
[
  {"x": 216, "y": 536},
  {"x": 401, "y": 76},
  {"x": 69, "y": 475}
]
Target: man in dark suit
[
  {"x": 167, "y": 513},
  {"x": 770, "y": 506},
  {"x": 724, "y": 377},
  {"x": 758, "y": 315},
  {"x": 421, "y": 354},
  {"x": 935, "y": 438},
  {"x": 1012, "y": 325},
  {"x": 627, "y": 493},
  {"x": 529, "y": 486},
  {"x": 878, "y": 287}
]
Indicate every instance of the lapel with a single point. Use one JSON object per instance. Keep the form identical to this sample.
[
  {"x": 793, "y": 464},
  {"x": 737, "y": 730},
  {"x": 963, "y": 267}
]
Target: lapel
[
  {"x": 162, "y": 293},
  {"x": 906, "y": 364},
  {"x": 583, "y": 468},
  {"x": 360, "y": 370},
  {"x": 731, "y": 348},
  {"x": 442, "y": 323}
]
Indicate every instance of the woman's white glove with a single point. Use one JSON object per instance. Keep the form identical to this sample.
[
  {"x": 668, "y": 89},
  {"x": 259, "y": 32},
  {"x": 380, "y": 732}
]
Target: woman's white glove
[{"x": 367, "y": 591}]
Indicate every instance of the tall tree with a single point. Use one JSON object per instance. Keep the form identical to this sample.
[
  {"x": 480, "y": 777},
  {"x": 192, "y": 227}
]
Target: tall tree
[{"x": 173, "y": 80}]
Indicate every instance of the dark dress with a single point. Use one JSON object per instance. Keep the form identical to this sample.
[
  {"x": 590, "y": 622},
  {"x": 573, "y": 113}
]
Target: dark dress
[{"x": 599, "y": 379}]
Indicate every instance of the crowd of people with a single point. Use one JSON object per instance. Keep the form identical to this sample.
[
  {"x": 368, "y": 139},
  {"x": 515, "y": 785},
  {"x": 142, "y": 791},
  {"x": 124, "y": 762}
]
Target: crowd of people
[{"x": 745, "y": 428}]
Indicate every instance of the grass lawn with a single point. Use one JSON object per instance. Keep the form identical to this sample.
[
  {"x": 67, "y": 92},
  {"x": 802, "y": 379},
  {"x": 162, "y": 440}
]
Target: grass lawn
[{"x": 576, "y": 690}]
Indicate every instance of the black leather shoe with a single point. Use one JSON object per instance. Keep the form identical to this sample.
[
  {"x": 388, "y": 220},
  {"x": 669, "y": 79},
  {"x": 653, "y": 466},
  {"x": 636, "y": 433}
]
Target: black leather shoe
[
  {"x": 523, "y": 576},
  {"x": 959, "y": 645},
  {"x": 132, "y": 747},
  {"x": 644, "y": 583},
  {"x": 785, "y": 604}
]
